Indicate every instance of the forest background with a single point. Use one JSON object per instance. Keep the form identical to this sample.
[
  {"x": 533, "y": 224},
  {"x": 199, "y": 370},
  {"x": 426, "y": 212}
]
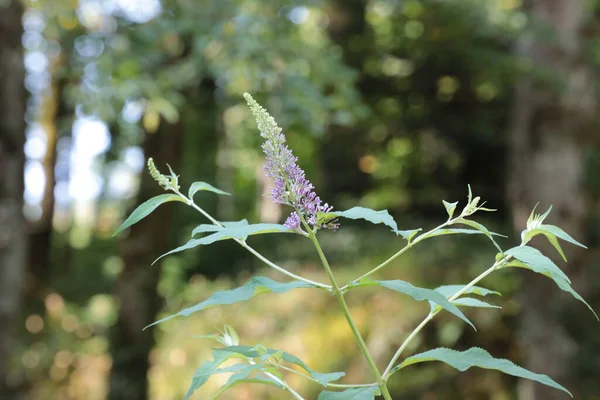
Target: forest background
[{"x": 389, "y": 104}]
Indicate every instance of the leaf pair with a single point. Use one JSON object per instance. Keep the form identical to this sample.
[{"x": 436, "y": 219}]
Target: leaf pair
[{"x": 259, "y": 365}]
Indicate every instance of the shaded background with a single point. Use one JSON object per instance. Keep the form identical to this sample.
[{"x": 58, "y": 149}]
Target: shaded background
[{"x": 392, "y": 104}]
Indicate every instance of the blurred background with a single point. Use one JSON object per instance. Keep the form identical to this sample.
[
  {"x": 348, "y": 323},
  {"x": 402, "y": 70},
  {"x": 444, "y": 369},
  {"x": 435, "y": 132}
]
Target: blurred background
[{"x": 389, "y": 104}]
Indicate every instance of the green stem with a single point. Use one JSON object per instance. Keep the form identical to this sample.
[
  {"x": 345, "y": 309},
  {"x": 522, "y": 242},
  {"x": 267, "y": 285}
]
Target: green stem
[
  {"x": 340, "y": 296},
  {"x": 398, "y": 254},
  {"x": 498, "y": 264},
  {"x": 243, "y": 243}
]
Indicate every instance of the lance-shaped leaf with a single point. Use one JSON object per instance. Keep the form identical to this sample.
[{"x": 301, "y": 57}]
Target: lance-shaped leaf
[
  {"x": 481, "y": 228},
  {"x": 450, "y": 208},
  {"x": 255, "y": 286},
  {"x": 234, "y": 232},
  {"x": 526, "y": 236},
  {"x": 450, "y": 290},
  {"x": 476, "y": 357},
  {"x": 454, "y": 231},
  {"x": 419, "y": 294},
  {"x": 204, "y": 372},
  {"x": 144, "y": 209},
  {"x": 408, "y": 234},
  {"x": 260, "y": 351},
  {"x": 198, "y": 186},
  {"x": 375, "y": 217},
  {"x": 471, "y": 302},
  {"x": 366, "y": 393},
  {"x": 555, "y": 230},
  {"x": 243, "y": 376},
  {"x": 214, "y": 228},
  {"x": 532, "y": 259}
]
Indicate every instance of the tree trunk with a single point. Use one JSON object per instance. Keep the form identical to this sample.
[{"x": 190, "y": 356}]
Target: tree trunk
[
  {"x": 12, "y": 161},
  {"x": 548, "y": 134},
  {"x": 136, "y": 288}
]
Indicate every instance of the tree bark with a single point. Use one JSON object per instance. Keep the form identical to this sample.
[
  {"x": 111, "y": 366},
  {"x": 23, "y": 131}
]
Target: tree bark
[
  {"x": 137, "y": 284},
  {"x": 12, "y": 161},
  {"x": 548, "y": 134}
]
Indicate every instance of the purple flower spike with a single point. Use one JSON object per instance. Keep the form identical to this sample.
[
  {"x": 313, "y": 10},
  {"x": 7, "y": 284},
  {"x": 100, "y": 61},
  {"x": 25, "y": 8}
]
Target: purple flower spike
[
  {"x": 293, "y": 221},
  {"x": 290, "y": 184}
]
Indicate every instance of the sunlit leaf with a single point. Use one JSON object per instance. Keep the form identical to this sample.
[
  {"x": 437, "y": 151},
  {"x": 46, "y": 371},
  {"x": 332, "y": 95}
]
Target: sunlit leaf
[
  {"x": 419, "y": 294},
  {"x": 255, "y": 286},
  {"x": 254, "y": 352},
  {"x": 203, "y": 373},
  {"x": 366, "y": 393},
  {"x": 239, "y": 231},
  {"x": 476, "y": 357},
  {"x": 450, "y": 290},
  {"x": 528, "y": 235},
  {"x": 532, "y": 259},
  {"x": 471, "y": 302},
  {"x": 450, "y": 208},
  {"x": 214, "y": 228},
  {"x": 408, "y": 234},
  {"x": 144, "y": 209},
  {"x": 454, "y": 231},
  {"x": 375, "y": 217},
  {"x": 198, "y": 186}
]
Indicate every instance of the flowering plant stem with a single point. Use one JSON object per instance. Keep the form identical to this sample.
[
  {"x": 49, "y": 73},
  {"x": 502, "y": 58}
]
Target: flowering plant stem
[
  {"x": 243, "y": 243},
  {"x": 340, "y": 296},
  {"x": 497, "y": 265}
]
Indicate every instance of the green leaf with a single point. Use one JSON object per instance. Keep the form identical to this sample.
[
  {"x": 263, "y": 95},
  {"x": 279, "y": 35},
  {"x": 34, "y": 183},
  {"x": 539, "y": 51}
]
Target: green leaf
[
  {"x": 528, "y": 235},
  {"x": 453, "y": 231},
  {"x": 555, "y": 230},
  {"x": 419, "y": 294},
  {"x": 532, "y": 259},
  {"x": 255, "y": 286},
  {"x": 481, "y": 228},
  {"x": 471, "y": 302},
  {"x": 536, "y": 261},
  {"x": 366, "y": 393},
  {"x": 204, "y": 372},
  {"x": 375, "y": 217},
  {"x": 476, "y": 357},
  {"x": 197, "y": 186},
  {"x": 144, "y": 209},
  {"x": 408, "y": 234},
  {"x": 450, "y": 290},
  {"x": 238, "y": 231},
  {"x": 243, "y": 377},
  {"x": 257, "y": 351},
  {"x": 214, "y": 228},
  {"x": 323, "y": 378},
  {"x": 450, "y": 208}
]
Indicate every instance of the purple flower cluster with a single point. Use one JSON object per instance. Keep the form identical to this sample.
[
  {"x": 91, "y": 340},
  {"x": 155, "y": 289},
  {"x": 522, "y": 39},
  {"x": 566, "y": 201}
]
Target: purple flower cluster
[{"x": 290, "y": 184}]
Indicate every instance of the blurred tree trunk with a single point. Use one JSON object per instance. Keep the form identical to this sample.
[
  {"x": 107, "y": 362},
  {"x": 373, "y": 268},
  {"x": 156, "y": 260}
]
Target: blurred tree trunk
[
  {"x": 137, "y": 284},
  {"x": 549, "y": 129},
  {"x": 12, "y": 161}
]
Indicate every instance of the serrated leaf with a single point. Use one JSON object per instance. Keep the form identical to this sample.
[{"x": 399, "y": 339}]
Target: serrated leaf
[
  {"x": 450, "y": 208},
  {"x": 420, "y": 294},
  {"x": 533, "y": 259},
  {"x": 555, "y": 230},
  {"x": 408, "y": 234},
  {"x": 450, "y": 290},
  {"x": 375, "y": 217},
  {"x": 234, "y": 232},
  {"x": 454, "y": 231},
  {"x": 144, "y": 209},
  {"x": 366, "y": 393},
  {"x": 255, "y": 286},
  {"x": 471, "y": 302},
  {"x": 477, "y": 357},
  {"x": 198, "y": 186},
  {"x": 481, "y": 228}
]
